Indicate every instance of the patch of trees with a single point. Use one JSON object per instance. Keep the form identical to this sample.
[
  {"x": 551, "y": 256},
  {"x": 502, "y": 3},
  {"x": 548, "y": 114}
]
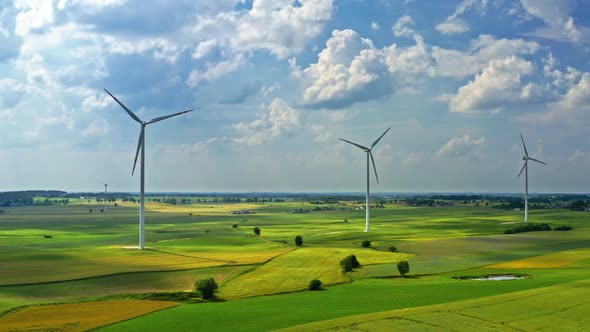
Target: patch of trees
[
  {"x": 256, "y": 230},
  {"x": 366, "y": 244},
  {"x": 403, "y": 268},
  {"x": 207, "y": 288},
  {"x": 315, "y": 284},
  {"x": 392, "y": 249},
  {"x": 530, "y": 227},
  {"x": 299, "y": 240},
  {"x": 186, "y": 297},
  {"x": 349, "y": 263},
  {"x": 324, "y": 208},
  {"x": 428, "y": 202},
  {"x": 579, "y": 205},
  {"x": 563, "y": 228},
  {"x": 298, "y": 211}
]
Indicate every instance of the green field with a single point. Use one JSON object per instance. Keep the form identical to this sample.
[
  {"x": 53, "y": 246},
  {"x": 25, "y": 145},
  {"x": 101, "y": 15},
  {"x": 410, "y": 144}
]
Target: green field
[{"x": 263, "y": 279}]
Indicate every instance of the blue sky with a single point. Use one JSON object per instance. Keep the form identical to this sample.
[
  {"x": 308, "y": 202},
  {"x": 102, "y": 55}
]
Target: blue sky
[{"x": 274, "y": 84}]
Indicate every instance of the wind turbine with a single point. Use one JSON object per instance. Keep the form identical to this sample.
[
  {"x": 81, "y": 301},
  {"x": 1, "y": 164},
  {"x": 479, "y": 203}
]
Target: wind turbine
[
  {"x": 141, "y": 146},
  {"x": 525, "y": 168},
  {"x": 105, "y": 195},
  {"x": 369, "y": 154}
]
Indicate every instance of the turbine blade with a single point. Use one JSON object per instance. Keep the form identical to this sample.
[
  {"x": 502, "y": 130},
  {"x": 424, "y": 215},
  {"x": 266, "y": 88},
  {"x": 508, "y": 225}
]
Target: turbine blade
[
  {"x": 166, "y": 117},
  {"x": 533, "y": 159},
  {"x": 139, "y": 146},
  {"x": 522, "y": 169},
  {"x": 131, "y": 114},
  {"x": 524, "y": 146},
  {"x": 377, "y": 141},
  {"x": 374, "y": 168},
  {"x": 357, "y": 145}
]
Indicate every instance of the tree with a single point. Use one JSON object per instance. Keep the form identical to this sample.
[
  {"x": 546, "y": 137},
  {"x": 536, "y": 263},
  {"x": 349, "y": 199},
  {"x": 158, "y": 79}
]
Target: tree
[
  {"x": 256, "y": 230},
  {"x": 366, "y": 243},
  {"x": 90, "y": 210},
  {"x": 315, "y": 284},
  {"x": 403, "y": 267},
  {"x": 349, "y": 263},
  {"x": 299, "y": 240},
  {"x": 392, "y": 249},
  {"x": 207, "y": 288},
  {"x": 234, "y": 226}
]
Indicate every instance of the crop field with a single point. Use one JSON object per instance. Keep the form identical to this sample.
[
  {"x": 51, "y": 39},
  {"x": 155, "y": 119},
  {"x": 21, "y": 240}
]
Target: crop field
[{"x": 66, "y": 257}]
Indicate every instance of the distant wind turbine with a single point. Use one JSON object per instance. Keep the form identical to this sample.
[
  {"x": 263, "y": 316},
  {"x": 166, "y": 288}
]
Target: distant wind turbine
[
  {"x": 105, "y": 195},
  {"x": 369, "y": 154},
  {"x": 141, "y": 146},
  {"x": 525, "y": 168}
]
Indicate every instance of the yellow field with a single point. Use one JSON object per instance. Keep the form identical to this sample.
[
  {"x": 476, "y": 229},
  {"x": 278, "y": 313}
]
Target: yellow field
[
  {"x": 191, "y": 208},
  {"x": 549, "y": 261},
  {"x": 119, "y": 260},
  {"x": 556, "y": 308},
  {"x": 78, "y": 316},
  {"x": 294, "y": 270}
]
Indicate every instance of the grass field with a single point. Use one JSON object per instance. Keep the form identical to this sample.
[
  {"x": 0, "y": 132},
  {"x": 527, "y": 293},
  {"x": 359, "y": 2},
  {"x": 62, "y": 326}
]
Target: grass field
[
  {"x": 87, "y": 259},
  {"x": 78, "y": 316}
]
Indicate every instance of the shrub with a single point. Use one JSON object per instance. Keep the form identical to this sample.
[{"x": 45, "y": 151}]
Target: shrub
[
  {"x": 366, "y": 243},
  {"x": 345, "y": 220},
  {"x": 190, "y": 213},
  {"x": 234, "y": 226},
  {"x": 256, "y": 230},
  {"x": 392, "y": 249},
  {"x": 530, "y": 227},
  {"x": 207, "y": 288},
  {"x": 315, "y": 284},
  {"x": 563, "y": 228},
  {"x": 299, "y": 240},
  {"x": 349, "y": 263},
  {"x": 403, "y": 267},
  {"x": 48, "y": 236}
]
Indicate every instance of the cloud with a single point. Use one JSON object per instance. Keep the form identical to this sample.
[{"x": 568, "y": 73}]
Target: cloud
[
  {"x": 281, "y": 27},
  {"x": 350, "y": 69},
  {"x": 375, "y": 25},
  {"x": 556, "y": 14},
  {"x": 95, "y": 128},
  {"x": 403, "y": 26},
  {"x": 482, "y": 50},
  {"x": 576, "y": 156},
  {"x": 281, "y": 119},
  {"x": 215, "y": 70},
  {"x": 460, "y": 146},
  {"x": 204, "y": 48},
  {"x": 451, "y": 27},
  {"x": 498, "y": 84},
  {"x": 453, "y": 24},
  {"x": 33, "y": 15},
  {"x": 92, "y": 102}
]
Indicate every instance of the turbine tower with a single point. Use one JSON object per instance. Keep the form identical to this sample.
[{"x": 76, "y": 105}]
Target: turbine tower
[
  {"x": 369, "y": 154},
  {"x": 525, "y": 168},
  {"x": 141, "y": 146},
  {"x": 105, "y": 197}
]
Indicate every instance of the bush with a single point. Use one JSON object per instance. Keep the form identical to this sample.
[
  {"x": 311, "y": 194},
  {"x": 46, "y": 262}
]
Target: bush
[
  {"x": 366, "y": 243},
  {"x": 299, "y": 240},
  {"x": 256, "y": 230},
  {"x": 349, "y": 263},
  {"x": 207, "y": 288},
  {"x": 234, "y": 226},
  {"x": 315, "y": 284},
  {"x": 403, "y": 267},
  {"x": 392, "y": 249},
  {"x": 345, "y": 220},
  {"x": 563, "y": 228},
  {"x": 530, "y": 227}
]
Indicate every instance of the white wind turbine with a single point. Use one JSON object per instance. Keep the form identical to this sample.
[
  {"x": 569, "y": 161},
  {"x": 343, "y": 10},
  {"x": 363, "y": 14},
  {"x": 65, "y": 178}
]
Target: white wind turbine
[
  {"x": 525, "y": 168},
  {"x": 369, "y": 154},
  {"x": 141, "y": 145},
  {"x": 105, "y": 195}
]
